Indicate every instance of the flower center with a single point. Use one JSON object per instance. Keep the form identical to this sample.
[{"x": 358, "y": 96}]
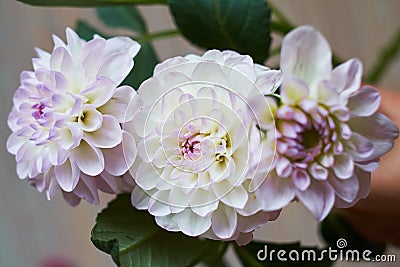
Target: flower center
[
  {"x": 191, "y": 146},
  {"x": 310, "y": 138},
  {"x": 38, "y": 113}
]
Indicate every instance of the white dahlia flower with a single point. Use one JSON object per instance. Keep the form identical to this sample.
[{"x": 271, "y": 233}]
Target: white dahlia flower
[
  {"x": 329, "y": 134},
  {"x": 65, "y": 122},
  {"x": 200, "y": 146}
]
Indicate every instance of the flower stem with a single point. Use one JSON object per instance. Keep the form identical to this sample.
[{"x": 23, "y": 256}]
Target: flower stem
[
  {"x": 387, "y": 55},
  {"x": 161, "y": 34}
]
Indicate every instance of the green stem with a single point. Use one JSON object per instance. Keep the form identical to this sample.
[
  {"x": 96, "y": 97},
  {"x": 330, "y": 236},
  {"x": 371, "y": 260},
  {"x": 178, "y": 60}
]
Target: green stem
[
  {"x": 161, "y": 35},
  {"x": 387, "y": 55}
]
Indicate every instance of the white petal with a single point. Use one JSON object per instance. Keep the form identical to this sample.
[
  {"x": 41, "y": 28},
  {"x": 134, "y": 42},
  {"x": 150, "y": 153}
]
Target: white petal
[
  {"x": 306, "y": 55},
  {"x": 108, "y": 135},
  {"x": 347, "y": 77},
  {"x": 168, "y": 222},
  {"x": 123, "y": 104},
  {"x": 224, "y": 222},
  {"x": 343, "y": 166},
  {"x": 116, "y": 67},
  {"x": 178, "y": 198},
  {"x": 100, "y": 92},
  {"x": 139, "y": 198},
  {"x": 108, "y": 183},
  {"x": 293, "y": 90},
  {"x": 89, "y": 159},
  {"x": 92, "y": 55},
  {"x": 236, "y": 198},
  {"x": 379, "y": 130},
  {"x": 210, "y": 72},
  {"x": 67, "y": 175},
  {"x": 301, "y": 179},
  {"x": 191, "y": 224},
  {"x": 146, "y": 176},
  {"x": 87, "y": 189},
  {"x": 326, "y": 93},
  {"x": 319, "y": 199},
  {"x": 275, "y": 193},
  {"x": 365, "y": 102},
  {"x": 120, "y": 158},
  {"x": 345, "y": 189},
  {"x": 158, "y": 204},
  {"x": 122, "y": 44},
  {"x": 203, "y": 202},
  {"x": 90, "y": 120},
  {"x": 74, "y": 42}
]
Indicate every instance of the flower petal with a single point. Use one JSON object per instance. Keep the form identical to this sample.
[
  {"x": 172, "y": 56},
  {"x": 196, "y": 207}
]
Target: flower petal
[
  {"x": 67, "y": 175},
  {"x": 192, "y": 224},
  {"x": 146, "y": 176},
  {"x": 306, "y": 55},
  {"x": 89, "y": 159},
  {"x": 365, "y": 102},
  {"x": 100, "y": 92},
  {"x": 123, "y": 104},
  {"x": 90, "y": 120},
  {"x": 120, "y": 158},
  {"x": 107, "y": 136},
  {"x": 319, "y": 199},
  {"x": 275, "y": 193},
  {"x": 343, "y": 166},
  {"x": 116, "y": 67},
  {"x": 345, "y": 189},
  {"x": 293, "y": 90},
  {"x": 224, "y": 222},
  {"x": 347, "y": 77}
]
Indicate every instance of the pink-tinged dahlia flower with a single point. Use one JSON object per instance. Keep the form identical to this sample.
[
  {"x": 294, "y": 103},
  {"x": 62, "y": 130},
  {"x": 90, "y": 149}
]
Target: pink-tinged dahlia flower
[
  {"x": 65, "y": 123},
  {"x": 200, "y": 147},
  {"x": 329, "y": 133}
]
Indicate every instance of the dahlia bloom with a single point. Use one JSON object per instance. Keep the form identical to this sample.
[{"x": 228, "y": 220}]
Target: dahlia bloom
[
  {"x": 329, "y": 134},
  {"x": 65, "y": 122},
  {"x": 200, "y": 146}
]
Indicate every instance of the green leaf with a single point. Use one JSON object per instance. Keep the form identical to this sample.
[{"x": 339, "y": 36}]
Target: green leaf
[
  {"x": 335, "y": 227},
  {"x": 249, "y": 255},
  {"x": 122, "y": 17},
  {"x": 242, "y": 25},
  {"x": 85, "y": 3},
  {"x": 133, "y": 239}
]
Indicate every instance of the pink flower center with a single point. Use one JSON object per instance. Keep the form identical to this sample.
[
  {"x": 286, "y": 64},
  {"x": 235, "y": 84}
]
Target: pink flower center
[
  {"x": 307, "y": 139},
  {"x": 38, "y": 113},
  {"x": 191, "y": 146}
]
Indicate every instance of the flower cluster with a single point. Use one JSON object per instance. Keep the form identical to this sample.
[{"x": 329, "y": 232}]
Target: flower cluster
[
  {"x": 219, "y": 153},
  {"x": 67, "y": 116}
]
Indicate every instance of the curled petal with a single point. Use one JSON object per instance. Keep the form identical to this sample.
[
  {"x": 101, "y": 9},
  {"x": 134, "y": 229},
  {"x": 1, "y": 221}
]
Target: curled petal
[
  {"x": 365, "y": 102},
  {"x": 89, "y": 159},
  {"x": 319, "y": 199},
  {"x": 108, "y": 135}
]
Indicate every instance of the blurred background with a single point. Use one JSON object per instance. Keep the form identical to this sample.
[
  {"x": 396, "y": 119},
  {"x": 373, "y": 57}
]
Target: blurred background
[{"x": 37, "y": 233}]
